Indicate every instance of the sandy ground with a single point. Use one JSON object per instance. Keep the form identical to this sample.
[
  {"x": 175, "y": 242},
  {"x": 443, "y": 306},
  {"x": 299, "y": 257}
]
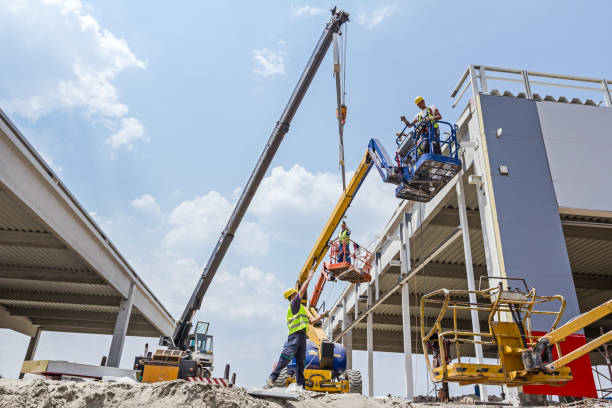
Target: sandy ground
[{"x": 40, "y": 393}]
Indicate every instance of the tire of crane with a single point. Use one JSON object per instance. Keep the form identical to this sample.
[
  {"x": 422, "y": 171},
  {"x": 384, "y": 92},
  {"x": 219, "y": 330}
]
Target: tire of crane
[{"x": 355, "y": 383}]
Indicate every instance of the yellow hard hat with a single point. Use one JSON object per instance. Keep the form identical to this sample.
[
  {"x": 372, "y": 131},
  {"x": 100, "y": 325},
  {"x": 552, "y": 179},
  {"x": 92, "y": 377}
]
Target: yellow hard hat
[
  {"x": 418, "y": 99},
  {"x": 289, "y": 292}
]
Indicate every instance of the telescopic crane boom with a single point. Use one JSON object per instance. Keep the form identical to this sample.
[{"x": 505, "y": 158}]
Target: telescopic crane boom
[{"x": 183, "y": 327}]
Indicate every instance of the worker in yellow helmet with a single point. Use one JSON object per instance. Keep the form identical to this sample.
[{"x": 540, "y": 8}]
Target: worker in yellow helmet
[
  {"x": 297, "y": 323},
  {"x": 344, "y": 239},
  {"x": 426, "y": 115}
]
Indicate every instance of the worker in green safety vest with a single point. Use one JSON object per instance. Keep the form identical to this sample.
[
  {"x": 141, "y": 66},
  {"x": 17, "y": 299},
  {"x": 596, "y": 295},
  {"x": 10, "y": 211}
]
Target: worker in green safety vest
[
  {"x": 297, "y": 323},
  {"x": 426, "y": 115},
  {"x": 344, "y": 240}
]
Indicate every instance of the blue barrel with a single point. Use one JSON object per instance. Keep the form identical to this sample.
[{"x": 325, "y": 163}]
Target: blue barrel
[{"x": 312, "y": 358}]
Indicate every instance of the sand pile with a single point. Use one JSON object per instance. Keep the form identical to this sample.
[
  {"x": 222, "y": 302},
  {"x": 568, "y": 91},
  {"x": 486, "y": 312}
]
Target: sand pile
[{"x": 40, "y": 393}]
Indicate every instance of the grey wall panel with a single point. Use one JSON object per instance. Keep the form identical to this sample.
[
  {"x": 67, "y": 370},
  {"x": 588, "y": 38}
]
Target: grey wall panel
[
  {"x": 532, "y": 239},
  {"x": 578, "y": 142}
]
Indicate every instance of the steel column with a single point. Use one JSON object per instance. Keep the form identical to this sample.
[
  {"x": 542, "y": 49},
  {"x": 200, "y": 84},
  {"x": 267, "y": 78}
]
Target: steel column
[
  {"x": 121, "y": 326},
  {"x": 377, "y": 267},
  {"x": 606, "y": 92},
  {"x": 526, "y": 84},
  {"x": 370, "y": 345},
  {"x": 469, "y": 269},
  {"x": 483, "y": 79},
  {"x": 406, "y": 327},
  {"x": 347, "y": 338},
  {"x": 472, "y": 73},
  {"x": 31, "y": 348},
  {"x": 407, "y": 334}
]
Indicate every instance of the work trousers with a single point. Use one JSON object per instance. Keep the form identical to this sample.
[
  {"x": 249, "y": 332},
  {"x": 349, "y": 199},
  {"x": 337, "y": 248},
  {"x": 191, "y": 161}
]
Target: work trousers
[
  {"x": 295, "y": 347},
  {"x": 344, "y": 254}
]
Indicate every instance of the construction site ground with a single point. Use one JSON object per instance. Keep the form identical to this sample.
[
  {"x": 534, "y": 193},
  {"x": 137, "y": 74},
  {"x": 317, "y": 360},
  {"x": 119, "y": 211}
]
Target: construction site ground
[{"x": 42, "y": 393}]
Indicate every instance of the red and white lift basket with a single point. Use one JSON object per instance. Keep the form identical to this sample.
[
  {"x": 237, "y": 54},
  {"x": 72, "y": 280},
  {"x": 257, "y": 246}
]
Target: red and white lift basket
[{"x": 349, "y": 262}]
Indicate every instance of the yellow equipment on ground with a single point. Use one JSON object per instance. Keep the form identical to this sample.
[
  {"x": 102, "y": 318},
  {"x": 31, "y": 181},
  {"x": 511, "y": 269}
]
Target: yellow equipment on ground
[{"x": 524, "y": 358}]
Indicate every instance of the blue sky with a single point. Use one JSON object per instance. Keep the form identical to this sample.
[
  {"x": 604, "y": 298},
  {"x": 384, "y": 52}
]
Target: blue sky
[{"x": 154, "y": 116}]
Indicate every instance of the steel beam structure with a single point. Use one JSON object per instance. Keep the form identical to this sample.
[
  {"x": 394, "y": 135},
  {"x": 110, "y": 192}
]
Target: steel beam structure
[{"x": 32, "y": 345}]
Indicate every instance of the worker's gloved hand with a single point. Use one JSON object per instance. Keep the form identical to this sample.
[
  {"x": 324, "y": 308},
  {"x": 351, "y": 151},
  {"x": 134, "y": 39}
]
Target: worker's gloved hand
[
  {"x": 403, "y": 119},
  {"x": 324, "y": 315}
]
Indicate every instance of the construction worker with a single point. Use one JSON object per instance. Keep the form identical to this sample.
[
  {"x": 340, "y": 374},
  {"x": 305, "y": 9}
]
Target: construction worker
[
  {"x": 427, "y": 114},
  {"x": 297, "y": 323},
  {"x": 344, "y": 239}
]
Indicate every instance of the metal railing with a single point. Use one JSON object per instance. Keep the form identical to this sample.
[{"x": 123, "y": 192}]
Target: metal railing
[{"x": 476, "y": 77}]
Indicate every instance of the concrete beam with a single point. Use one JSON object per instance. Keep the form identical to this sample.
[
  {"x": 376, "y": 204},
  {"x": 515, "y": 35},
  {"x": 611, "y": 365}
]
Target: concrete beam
[
  {"x": 449, "y": 217},
  {"x": 589, "y": 230},
  {"x": 73, "y": 315},
  {"x": 30, "y": 239},
  {"x": 109, "y": 331},
  {"x": 50, "y": 275},
  {"x": 44, "y": 322},
  {"x": 447, "y": 271},
  {"x": 582, "y": 281},
  {"x": 20, "y": 324},
  {"x": 69, "y": 298}
]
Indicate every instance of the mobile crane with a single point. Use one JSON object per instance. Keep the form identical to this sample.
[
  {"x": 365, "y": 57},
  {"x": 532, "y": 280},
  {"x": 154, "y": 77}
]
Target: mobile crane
[
  {"x": 182, "y": 358},
  {"x": 524, "y": 357}
]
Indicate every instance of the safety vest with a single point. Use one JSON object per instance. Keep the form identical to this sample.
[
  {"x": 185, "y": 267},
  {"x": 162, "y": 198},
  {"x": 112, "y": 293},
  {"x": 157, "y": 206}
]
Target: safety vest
[
  {"x": 429, "y": 113},
  {"x": 298, "y": 321},
  {"x": 345, "y": 236}
]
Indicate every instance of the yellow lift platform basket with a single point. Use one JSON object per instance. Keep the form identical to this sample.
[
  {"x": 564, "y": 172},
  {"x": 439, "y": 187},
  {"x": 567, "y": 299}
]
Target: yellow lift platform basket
[{"x": 524, "y": 359}]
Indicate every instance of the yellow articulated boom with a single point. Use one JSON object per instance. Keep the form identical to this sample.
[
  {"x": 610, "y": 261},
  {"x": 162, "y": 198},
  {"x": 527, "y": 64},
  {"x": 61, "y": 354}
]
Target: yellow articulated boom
[
  {"x": 524, "y": 358},
  {"x": 329, "y": 376}
]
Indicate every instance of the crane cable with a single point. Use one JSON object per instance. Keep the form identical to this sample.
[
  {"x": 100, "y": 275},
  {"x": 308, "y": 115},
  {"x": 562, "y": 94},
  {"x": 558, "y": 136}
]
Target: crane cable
[{"x": 340, "y": 79}]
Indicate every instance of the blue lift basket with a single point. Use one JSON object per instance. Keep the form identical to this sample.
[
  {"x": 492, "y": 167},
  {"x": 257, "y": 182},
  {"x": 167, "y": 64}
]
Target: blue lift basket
[{"x": 424, "y": 162}]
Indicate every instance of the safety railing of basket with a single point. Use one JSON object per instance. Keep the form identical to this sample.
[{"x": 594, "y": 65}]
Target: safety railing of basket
[
  {"x": 452, "y": 302},
  {"x": 425, "y": 134},
  {"x": 429, "y": 136},
  {"x": 360, "y": 257}
]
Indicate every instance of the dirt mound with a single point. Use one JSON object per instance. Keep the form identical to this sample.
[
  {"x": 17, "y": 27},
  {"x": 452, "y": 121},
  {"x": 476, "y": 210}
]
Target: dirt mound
[{"x": 40, "y": 393}]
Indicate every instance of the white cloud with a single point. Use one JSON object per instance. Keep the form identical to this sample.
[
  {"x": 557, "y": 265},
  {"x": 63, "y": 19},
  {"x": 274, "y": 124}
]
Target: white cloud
[
  {"x": 130, "y": 131},
  {"x": 251, "y": 293},
  {"x": 373, "y": 18},
  {"x": 146, "y": 203},
  {"x": 61, "y": 58},
  {"x": 307, "y": 11},
  {"x": 268, "y": 63},
  {"x": 201, "y": 220},
  {"x": 295, "y": 190}
]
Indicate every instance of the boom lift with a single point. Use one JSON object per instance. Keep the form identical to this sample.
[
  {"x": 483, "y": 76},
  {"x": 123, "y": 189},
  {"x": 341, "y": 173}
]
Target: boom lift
[
  {"x": 420, "y": 173},
  {"x": 326, "y": 361},
  {"x": 524, "y": 358},
  {"x": 178, "y": 361}
]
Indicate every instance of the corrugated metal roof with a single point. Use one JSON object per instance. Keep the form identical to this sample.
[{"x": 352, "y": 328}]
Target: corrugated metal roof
[
  {"x": 58, "y": 306},
  {"x": 14, "y": 217},
  {"x": 57, "y": 287},
  {"x": 588, "y": 256},
  {"x": 40, "y": 257}
]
